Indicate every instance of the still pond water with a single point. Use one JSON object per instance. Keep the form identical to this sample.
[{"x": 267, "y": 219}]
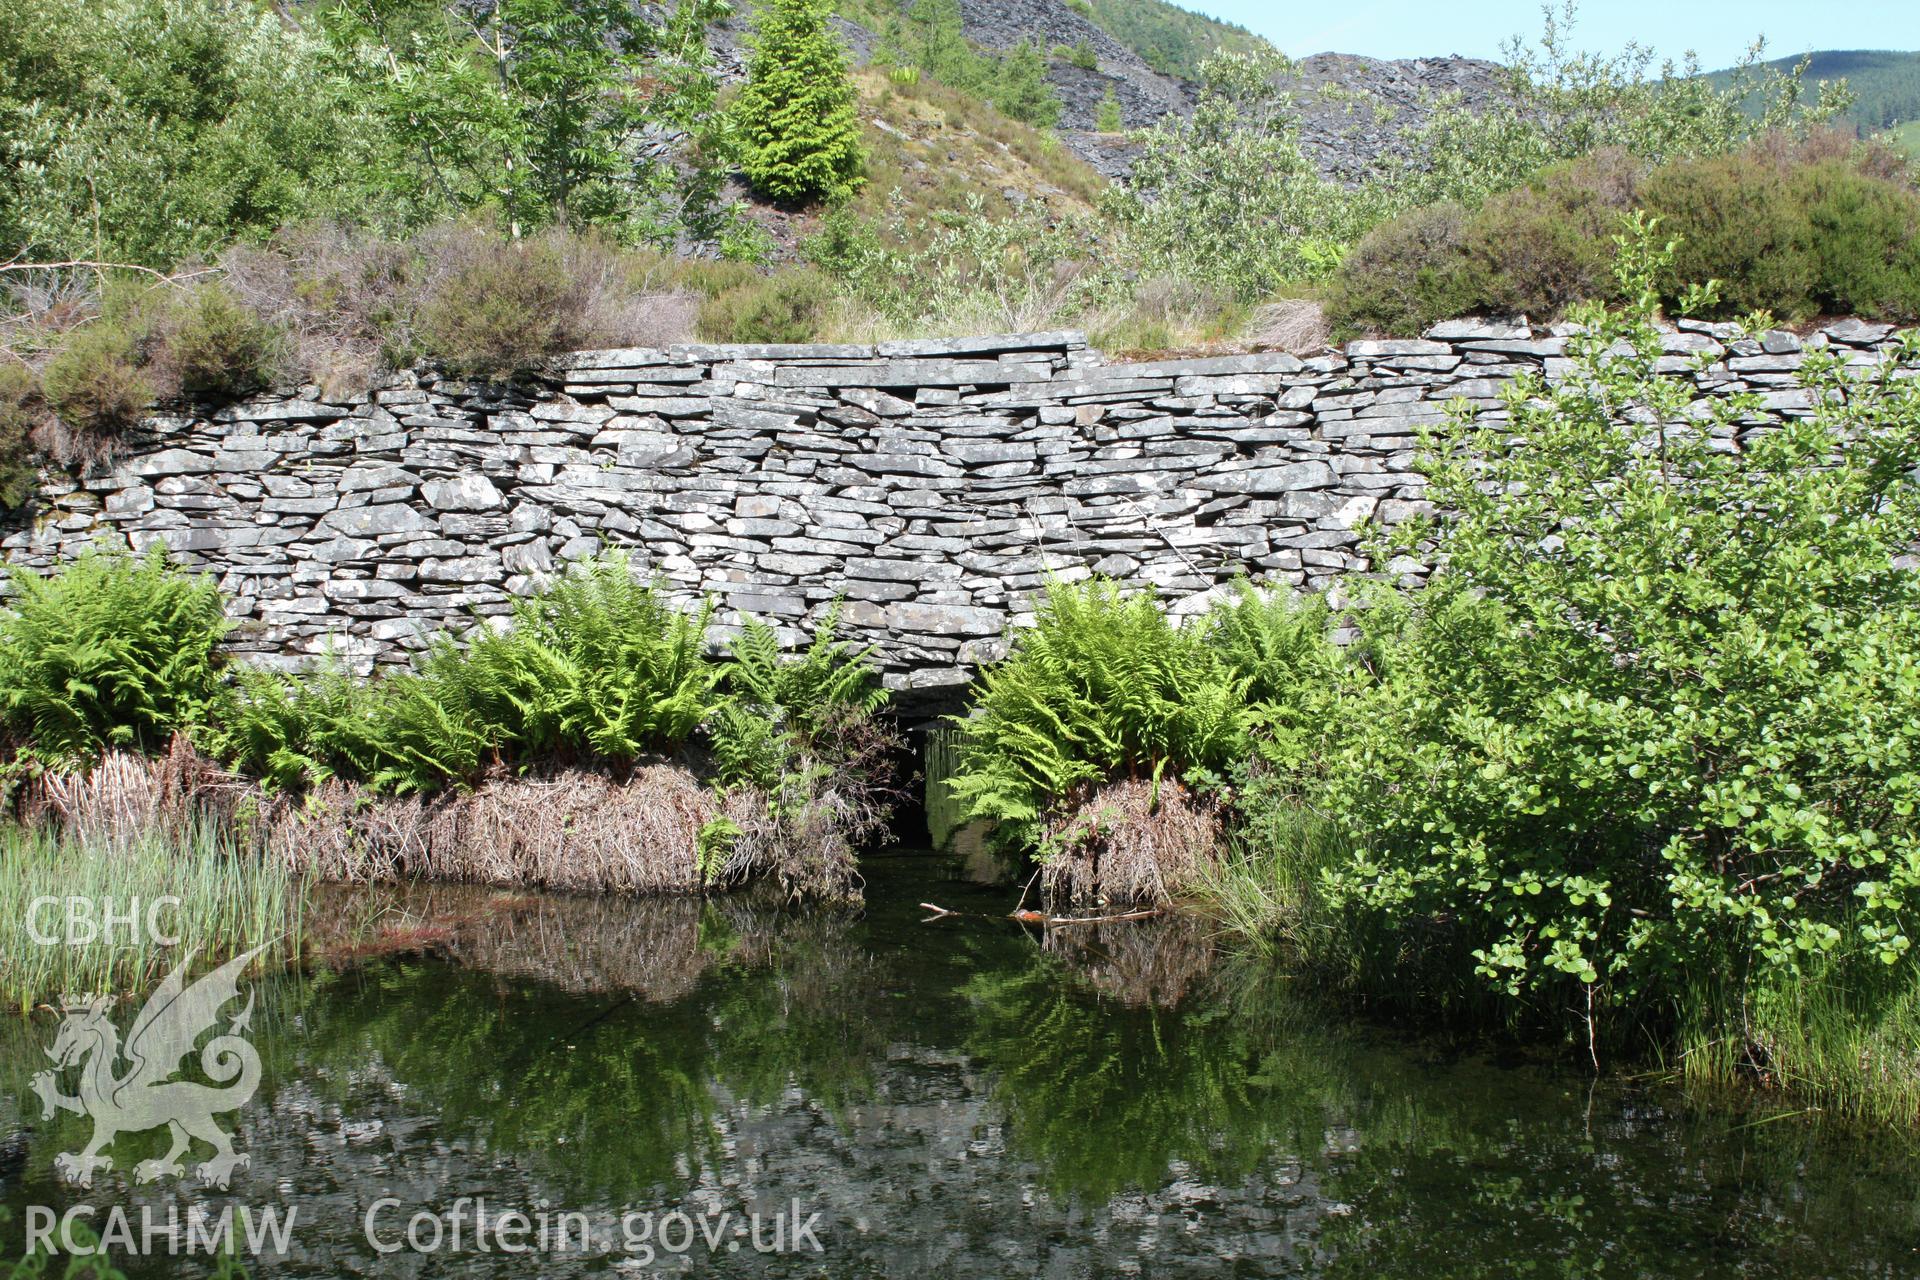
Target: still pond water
[{"x": 953, "y": 1098}]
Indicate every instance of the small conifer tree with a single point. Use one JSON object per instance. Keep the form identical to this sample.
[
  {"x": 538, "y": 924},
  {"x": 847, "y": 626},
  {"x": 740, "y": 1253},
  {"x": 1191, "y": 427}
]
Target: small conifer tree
[
  {"x": 795, "y": 118},
  {"x": 1021, "y": 89},
  {"x": 1106, "y": 118}
]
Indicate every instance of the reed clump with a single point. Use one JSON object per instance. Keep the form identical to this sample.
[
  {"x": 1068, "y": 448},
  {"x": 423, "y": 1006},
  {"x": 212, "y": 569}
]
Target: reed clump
[{"x": 228, "y": 903}]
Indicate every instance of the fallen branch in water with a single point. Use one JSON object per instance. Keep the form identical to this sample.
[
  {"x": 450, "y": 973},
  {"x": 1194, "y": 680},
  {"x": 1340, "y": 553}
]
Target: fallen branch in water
[
  {"x": 938, "y": 911},
  {"x": 1041, "y": 917},
  {"x": 1125, "y": 915}
]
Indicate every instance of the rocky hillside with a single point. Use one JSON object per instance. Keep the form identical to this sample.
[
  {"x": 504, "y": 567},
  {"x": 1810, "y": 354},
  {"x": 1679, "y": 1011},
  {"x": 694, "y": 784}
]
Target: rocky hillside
[{"x": 1351, "y": 108}]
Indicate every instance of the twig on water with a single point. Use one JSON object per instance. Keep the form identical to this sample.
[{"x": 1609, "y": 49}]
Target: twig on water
[{"x": 1125, "y": 915}]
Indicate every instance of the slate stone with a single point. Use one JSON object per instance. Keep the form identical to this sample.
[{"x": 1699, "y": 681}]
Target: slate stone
[
  {"x": 373, "y": 522},
  {"x": 461, "y": 493}
]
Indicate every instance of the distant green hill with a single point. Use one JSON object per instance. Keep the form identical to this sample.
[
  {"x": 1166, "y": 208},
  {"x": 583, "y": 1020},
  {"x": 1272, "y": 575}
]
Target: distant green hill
[
  {"x": 1885, "y": 83},
  {"x": 1171, "y": 40}
]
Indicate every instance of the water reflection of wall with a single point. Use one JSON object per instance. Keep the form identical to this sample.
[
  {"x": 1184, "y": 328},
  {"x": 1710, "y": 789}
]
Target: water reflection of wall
[{"x": 969, "y": 1100}]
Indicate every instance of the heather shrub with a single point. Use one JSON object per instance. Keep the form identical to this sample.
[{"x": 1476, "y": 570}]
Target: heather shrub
[
  {"x": 337, "y": 292},
  {"x": 792, "y": 306},
  {"x": 1404, "y": 275},
  {"x": 496, "y": 307},
  {"x": 1739, "y": 221},
  {"x": 1822, "y": 225},
  {"x": 1796, "y": 227},
  {"x": 206, "y": 342},
  {"x": 95, "y": 382},
  {"x": 1549, "y": 243},
  {"x": 1866, "y": 241},
  {"x": 20, "y": 412}
]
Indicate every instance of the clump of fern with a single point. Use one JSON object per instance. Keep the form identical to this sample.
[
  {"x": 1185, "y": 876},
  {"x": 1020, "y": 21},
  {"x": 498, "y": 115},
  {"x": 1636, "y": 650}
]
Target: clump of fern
[
  {"x": 1282, "y": 644},
  {"x": 109, "y": 651},
  {"x": 804, "y": 731},
  {"x": 600, "y": 666},
  {"x": 779, "y": 707},
  {"x": 1103, "y": 685}
]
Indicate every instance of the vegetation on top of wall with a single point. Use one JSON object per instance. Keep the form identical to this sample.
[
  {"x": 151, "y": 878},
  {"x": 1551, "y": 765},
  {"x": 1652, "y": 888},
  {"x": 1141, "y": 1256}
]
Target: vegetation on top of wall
[
  {"x": 289, "y": 257},
  {"x": 1820, "y": 226}
]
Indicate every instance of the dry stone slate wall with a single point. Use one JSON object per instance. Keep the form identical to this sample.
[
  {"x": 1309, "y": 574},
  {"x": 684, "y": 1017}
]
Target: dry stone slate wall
[{"x": 930, "y": 485}]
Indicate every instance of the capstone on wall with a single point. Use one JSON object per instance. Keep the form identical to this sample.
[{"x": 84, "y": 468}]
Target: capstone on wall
[{"x": 931, "y": 486}]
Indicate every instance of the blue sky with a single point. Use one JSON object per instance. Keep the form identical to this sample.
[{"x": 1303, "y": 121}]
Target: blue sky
[{"x": 1719, "y": 30}]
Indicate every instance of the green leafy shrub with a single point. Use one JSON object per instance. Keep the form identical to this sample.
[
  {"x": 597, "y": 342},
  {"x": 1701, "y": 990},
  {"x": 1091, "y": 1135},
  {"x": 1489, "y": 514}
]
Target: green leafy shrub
[
  {"x": 1557, "y": 102},
  {"x": 795, "y": 116},
  {"x": 792, "y": 306},
  {"x": 1655, "y": 717},
  {"x": 1103, "y": 684},
  {"x": 151, "y": 133},
  {"x": 95, "y": 382},
  {"x": 1107, "y": 117},
  {"x": 1405, "y": 275},
  {"x": 1226, "y": 194},
  {"x": 108, "y": 651}
]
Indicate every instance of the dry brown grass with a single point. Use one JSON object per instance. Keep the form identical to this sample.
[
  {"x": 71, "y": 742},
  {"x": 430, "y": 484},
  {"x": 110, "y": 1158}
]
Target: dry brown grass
[
  {"x": 581, "y": 830},
  {"x": 126, "y": 798},
  {"x": 573, "y": 830},
  {"x": 1297, "y": 326},
  {"x": 1128, "y": 843}
]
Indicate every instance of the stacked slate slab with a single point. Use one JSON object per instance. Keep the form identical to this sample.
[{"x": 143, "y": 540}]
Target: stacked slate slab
[{"x": 930, "y": 487}]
